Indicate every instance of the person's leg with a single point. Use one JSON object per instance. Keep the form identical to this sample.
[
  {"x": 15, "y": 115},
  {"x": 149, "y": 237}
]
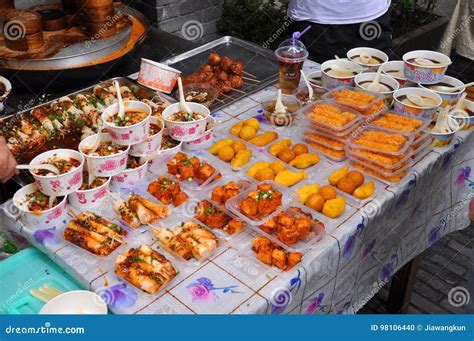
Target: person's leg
[{"x": 326, "y": 41}]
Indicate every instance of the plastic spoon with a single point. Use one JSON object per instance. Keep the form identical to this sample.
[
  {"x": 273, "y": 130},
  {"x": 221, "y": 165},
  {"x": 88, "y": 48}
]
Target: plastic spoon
[
  {"x": 453, "y": 89},
  {"x": 279, "y": 106},
  {"x": 417, "y": 100},
  {"x": 442, "y": 125},
  {"x": 375, "y": 85},
  {"x": 183, "y": 106},
  {"x": 121, "y": 110},
  {"x": 308, "y": 85},
  {"x": 47, "y": 167},
  {"x": 94, "y": 145},
  {"x": 365, "y": 58},
  {"x": 457, "y": 111}
]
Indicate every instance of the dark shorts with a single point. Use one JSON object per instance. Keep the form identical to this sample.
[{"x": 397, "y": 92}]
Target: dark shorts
[{"x": 325, "y": 41}]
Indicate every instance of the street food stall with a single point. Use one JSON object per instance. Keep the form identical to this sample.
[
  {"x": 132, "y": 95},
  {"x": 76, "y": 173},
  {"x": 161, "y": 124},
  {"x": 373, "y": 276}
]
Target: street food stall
[{"x": 231, "y": 179}]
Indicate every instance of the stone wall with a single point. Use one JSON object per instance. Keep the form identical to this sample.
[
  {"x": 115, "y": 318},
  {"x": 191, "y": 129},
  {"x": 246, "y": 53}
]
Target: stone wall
[{"x": 191, "y": 19}]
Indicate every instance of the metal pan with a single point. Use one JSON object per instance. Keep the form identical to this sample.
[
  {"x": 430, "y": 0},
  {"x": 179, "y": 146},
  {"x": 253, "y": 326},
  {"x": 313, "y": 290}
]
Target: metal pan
[{"x": 257, "y": 61}]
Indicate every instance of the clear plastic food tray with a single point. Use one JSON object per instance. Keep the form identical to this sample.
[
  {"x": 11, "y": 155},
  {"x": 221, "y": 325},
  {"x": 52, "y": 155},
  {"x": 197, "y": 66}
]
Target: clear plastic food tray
[
  {"x": 401, "y": 132},
  {"x": 351, "y": 198},
  {"x": 195, "y": 202},
  {"x": 223, "y": 131},
  {"x": 342, "y": 135},
  {"x": 172, "y": 224},
  {"x": 352, "y": 152},
  {"x": 308, "y": 135},
  {"x": 387, "y": 178},
  {"x": 317, "y": 231},
  {"x": 329, "y": 96},
  {"x": 311, "y": 150},
  {"x": 305, "y": 111},
  {"x": 402, "y": 150},
  {"x": 233, "y": 204},
  {"x": 323, "y": 149}
]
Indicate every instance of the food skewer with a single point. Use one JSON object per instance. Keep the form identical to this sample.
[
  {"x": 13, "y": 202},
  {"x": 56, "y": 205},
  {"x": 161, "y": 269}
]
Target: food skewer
[
  {"x": 251, "y": 79},
  {"x": 249, "y": 74},
  {"x": 242, "y": 92}
]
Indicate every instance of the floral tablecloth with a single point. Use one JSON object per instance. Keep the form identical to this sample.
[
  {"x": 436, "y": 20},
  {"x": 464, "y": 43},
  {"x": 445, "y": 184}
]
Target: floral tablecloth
[{"x": 338, "y": 275}]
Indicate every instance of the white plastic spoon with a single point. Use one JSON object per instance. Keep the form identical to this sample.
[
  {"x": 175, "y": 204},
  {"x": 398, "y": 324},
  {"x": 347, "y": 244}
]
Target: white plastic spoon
[
  {"x": 453, "y": 89},
  {"x": 183, "y": 106},
  {"x": 95, "y": 144},
  {"x": 365, "y": 58},
  {"x": 47, "y": 167},
  {"x": 280, "y": 108},
  {"x": 308, "y": 85},
  {"x": 442, "y": 125},
  {"x": 417, "y": 100},
  {"x": 51, "y": 201},
  {"x": 457, "y": 111},
  {"x": 121, "y": 111},
  {"x": 375, "y": 85}
]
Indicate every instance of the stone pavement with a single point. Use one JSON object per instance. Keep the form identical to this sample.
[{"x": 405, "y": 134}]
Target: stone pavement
[{"x": 442, "y": 267}]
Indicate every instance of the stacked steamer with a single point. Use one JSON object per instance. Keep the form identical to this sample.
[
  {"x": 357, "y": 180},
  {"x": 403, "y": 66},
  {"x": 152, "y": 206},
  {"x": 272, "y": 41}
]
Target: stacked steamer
[
  {"x": 23, "y": 30},
  {"x": 98, "y": 18},
  {"x": 328, "y": 126}
]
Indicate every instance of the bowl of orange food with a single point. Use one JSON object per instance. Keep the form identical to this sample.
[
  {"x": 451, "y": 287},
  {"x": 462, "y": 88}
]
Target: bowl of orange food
[
  {"x": 35, "y": 209},
  {"x": 153, "y": 142},
  {"x": 70, "y": 164},
  {"x": 133, "y": 127},
  {"x": 184, "y": 126},
  {"x": 108, "y": 159}
]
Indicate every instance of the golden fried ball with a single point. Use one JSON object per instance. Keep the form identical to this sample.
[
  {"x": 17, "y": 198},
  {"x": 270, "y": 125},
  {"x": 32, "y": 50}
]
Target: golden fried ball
[
  {"x": 286, "y": 155},
  {"x": 347, "y": 185},
  {"x": 264, "y": 174},
  {"x": 328, "y": 192},
  {"x": 315, "y": 201},
  {"x": 226, "y": 153},
  {"x": 300, "y": 148},
  {"x": 357, "y": 177},
  {"x": 238, "y": 146}
]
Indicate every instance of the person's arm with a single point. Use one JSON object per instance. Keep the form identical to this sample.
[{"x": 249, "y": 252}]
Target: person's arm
[{"x": 7, "y": 162}]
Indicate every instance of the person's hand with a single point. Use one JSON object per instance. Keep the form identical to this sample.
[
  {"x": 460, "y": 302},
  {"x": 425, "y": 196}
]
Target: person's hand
[{"x": 7, "y": 162}]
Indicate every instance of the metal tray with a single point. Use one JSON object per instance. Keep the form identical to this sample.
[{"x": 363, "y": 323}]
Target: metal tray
[
  {"x": 141, "y": 92},
  {"x": 257, "y": 60}
]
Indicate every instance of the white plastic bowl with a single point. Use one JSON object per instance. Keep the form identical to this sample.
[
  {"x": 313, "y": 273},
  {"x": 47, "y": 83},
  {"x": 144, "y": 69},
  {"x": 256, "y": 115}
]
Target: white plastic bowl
[
  {"x": 408, "y": 109},
  {"x": 388, "y": 81},
  {"x": 351, "y": 54},
  {"x": 397, "y": 65},
  {"x": 155, "y": 166},
  {"x": 89, "y": 198},
  {"x": 8, "y": 89},
  {"x": 425, "y": 74},
  {"x": 75, "y": 302},
  {"x": 204, "y": 141},
  {"x": 157, "y": 76},
  {"x": 152, "y": 143},
  {"x": 130, "y": 177},
  {"x": 331, "y": 82},
  {"x": 104, "y": 166},
  {"x": 129, "y": 135},
  {"x": 186, "y": 131},
  {"x": 63, "y": 184},
  {"x": 37, "y": 220}
]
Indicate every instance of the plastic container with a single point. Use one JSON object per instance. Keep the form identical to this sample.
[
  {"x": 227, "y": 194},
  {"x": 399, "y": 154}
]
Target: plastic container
[
  {"x": 309, "y": 169},
  {"x": 314, "y": 134},
  {"x": 409, "y": 109},
  {"x": 204, "y": 141},
  {"x": 292, "y": 105},
  {"x": 194, "y": 204},
  {"x": 354, "y": 55},
  {"x": 425, "y": 74},
  {"x": 373, "y": 125},
  {"x": 155, "y": 164},
  {"x": 172, "y": 224},
  {"x": 373, "y": 106},
  {"x": 62, "y": 184},
  {"x": 127, "y": 135},
  {"x": 346, "y": 127},
  {"x": 388, "y": 167},
  {"x": 291, "y": 54},
  {"x": 223, "y": 131},
  {"x": 189, "y": 130},
  {"x": 130, "y": 177},
  {"x": 317, "y": 231},
  {"x": 449, "y": 98},
  {"x": 388, "y": 178},
  {"x": 232, "y": 204},
  {"x": 330, "y": 81},
  {"x": 394, "y": 68},
  {"x": 401, "y": 151},
  {"x": 330, "y": 153},
  {"x": 152, "y": 142},
  {"x": 54, "y": 216},
  {"x": 89, "y": 198},
  {"x": 364, "y": 80},
  {"x": 157, "y": 76},
  {"x": 192, "y": 89}
]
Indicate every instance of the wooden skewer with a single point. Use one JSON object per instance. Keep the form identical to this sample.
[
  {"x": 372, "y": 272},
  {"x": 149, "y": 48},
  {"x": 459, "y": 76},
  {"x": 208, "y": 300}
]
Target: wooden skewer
[
  {"x": 218, "y": 100},
  {"x": 249, "y": 74},
  {"x": 251, "y": 84},
  {"x": 251, "y": 79},
  {"x": 242, "y": 92},
  {"x": 223, "y": 94}
]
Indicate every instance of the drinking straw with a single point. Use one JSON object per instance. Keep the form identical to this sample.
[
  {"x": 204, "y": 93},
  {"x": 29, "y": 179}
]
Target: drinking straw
[{"x": 297, "y": 34}]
